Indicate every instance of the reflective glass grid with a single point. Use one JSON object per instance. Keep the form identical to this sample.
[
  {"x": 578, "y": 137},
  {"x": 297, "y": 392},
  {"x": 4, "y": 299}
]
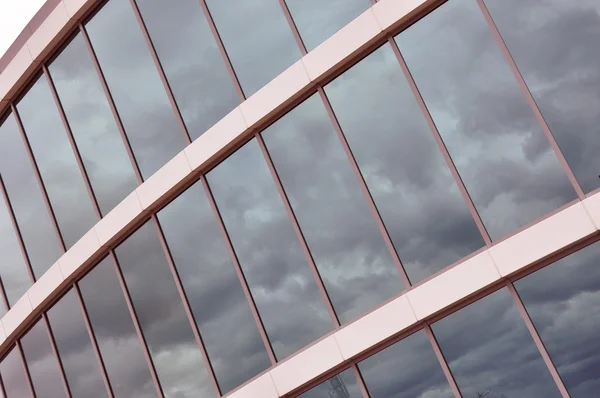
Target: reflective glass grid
[{"x": 346, "y": 243}]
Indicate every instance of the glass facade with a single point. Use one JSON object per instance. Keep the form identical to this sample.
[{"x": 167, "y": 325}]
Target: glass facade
[{"x": 460, "y": 129}]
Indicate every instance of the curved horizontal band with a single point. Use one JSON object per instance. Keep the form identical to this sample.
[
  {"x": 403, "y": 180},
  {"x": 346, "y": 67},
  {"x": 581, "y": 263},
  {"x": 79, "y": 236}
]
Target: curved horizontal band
[{"x": 558, "y": 232}]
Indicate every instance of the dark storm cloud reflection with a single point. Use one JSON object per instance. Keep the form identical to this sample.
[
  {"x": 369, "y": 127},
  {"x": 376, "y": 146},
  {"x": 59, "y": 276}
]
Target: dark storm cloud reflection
[
  {"x": 490, "y": 130},
  {"x": 270, "y": 255},
  {"x": 424, "y": 212},
  {"x": 139, "y": 95},
  {"x": 339, "y": 227},
  {"x": 343, "y": 385},
  {"x": 409, "y": 368},
  {"x": 189, "y": 55},
  {"x": 563, "y": 301},
  {"x": 489, "y": 349},
  {"x": 554, "y": 44},
  {"x": 13, "y": 375},
  {"x": 213, "y": 289},
  {"x": 173, "y": 347}
]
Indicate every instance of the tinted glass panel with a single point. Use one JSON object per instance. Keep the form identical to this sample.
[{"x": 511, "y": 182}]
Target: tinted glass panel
[
  {"x": 213, "y": 289},
  {"x": 75, "y": 348},
  {"x": 500, "y": 150},
  {"x": 490, "y": 350},
  {"x": 270, "y": 255},
  {"x": 163, "y": 320},
  {"x": 93, "y": 125},
  {"x": 42, "y": 363},
  {"x": 554, "y": 44},
  {"x": 13, "y": 375},
  {"x": 56, "y": 161},
  {"x": 343, "y": 385},
  {"x": 387, "y": 375},
  {"x": 424, "y": 211},
  {"x": 191, "y": 60},
  {"x": 563, "y": 301},
  {"x": 26, "y": 199},
  {"x": 13, "y": 270},
  {"x": 118, "y": 342},
  {"x": 332, "y": 210},
  {"x": 317, "y": 20},
  {"x": 139, "y": 95},
  {"x": 257, "y": 38}
]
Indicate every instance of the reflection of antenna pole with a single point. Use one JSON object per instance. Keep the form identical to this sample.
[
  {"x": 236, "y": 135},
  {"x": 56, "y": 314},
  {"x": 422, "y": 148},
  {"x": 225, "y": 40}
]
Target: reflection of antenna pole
[{"x": 337, "y": 388}]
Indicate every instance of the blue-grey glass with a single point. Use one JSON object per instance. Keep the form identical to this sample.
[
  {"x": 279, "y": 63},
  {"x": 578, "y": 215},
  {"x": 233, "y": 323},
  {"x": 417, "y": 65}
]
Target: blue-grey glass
[
  {"x": 268, "y": 250},
  {"x": 42, "y": 363},
  {"x": 317, "y": 20},
  {"x": 93, "y": 126},
  {"x": 140, "y": 97},
  {"x": 165, "y": 325},
  {"x": 554, "y": 44},
  {"x": 490, "y": 350},
  {"x": 13, "y": 375},
  {"x": 192, "y": 62},
  {"x": 343, "y": 385},
  {"x": 409, "y": 368},
  {"x": 332, "y": 210},
  {"x": 257, "y": 38},
  {"x": 13, "y": 269},
  {"x": 222, "y": 313},
  {"x": 75, "y": 348},
  {"x": 505, "y": 160},
  {"x": 27, "y": 200},
  {"x": 119, "y": 345},
  {"x": 411, "y": 184},
  {"x": 563, "y": 300},
  {"x": 56, "y": 162}
]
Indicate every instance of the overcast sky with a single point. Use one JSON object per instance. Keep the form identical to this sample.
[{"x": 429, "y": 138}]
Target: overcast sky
[{"x": 14, "y": 15}]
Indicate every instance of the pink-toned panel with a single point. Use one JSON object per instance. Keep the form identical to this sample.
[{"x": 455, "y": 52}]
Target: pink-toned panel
[
  {"x": 391, "y": 12},
  {"x": 164, "y": 180},
  {"x": 16, "y": 315},
  {"x": 342, "y": 44},
  {"x": 592, "y": 205},
  {"x": 2, "y": 334},
  {"x": 44, "y": 287},
  {"x": 49, "y": 32},
  {"x": 306, "y": 365},
  {"x": 76, "y": 8},
  {"x": 458, "y": 282},
  {"x": 122, "y": 215},
  {"x": 542, "y": 239},
  {"x": 15, "y": 73},
  {"x": 219, "y": 136},
  {"x": 278, "y": 91},
  {"x": 79, "y": 253},
  {"x": 262, "y": 387},
  {"x": 375, "y": 327}
]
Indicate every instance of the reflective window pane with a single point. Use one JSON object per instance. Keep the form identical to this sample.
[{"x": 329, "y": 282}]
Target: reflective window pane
[
  {"x": 343, "y": 385},
  {"x": 75, "y": 348},
  {"x": 26, "y": 199},
  {"x": 499, "y": 148},
  {"x": 554, "y": 44},
  {"x": 387, "y": 375},
  {"x": 317, "y": 20},
  {"x": 13, "y": 269},
  {"x": 563, "y": 301},
  {"x": 56, "y": 162},
  {"x": 270, "y": 255},
  {"x": 139, "y": 95},
  {"x": 490, "y": 350},
  {"x": 119, "y": 344},
  {"x": 13, "y": 375},
  {"x": 411, "y": 184},
  {"x": 189, "y": 55},
  {"x": 93, "y": 126},
  {"x": 351, "y": 255},
  {"x": 216, "y": 298},
  {"x": 163, "y": 320},
  {"x": 42, "y": 363},
  {"x": 257, "y": 37}
]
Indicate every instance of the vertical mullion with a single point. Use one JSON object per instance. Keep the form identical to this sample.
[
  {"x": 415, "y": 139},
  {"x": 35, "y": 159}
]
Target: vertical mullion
[
  {"x": 19, "y": 348},
  {"x": 538, "y": 340},
  {"x": 361, "y": 382},
  {"x": 61, "y": 368},
  {"x": 532, "y": 103},
  {"x": 2, "y": 390},
  {"x": 443, "y": 363},
  {"x": 161, "y": 71},
  {"x": 441, "y": 144},
  {"x": 240, "y": 273},
  {"x": 293, "y": 27},
  {"x": 298, "y": 231},
  {"x": 186, "y": 306}
]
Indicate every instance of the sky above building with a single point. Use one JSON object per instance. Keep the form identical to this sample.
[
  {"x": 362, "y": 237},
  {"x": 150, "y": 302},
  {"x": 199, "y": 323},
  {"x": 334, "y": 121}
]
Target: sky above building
[{"x": 14, "y": 16}]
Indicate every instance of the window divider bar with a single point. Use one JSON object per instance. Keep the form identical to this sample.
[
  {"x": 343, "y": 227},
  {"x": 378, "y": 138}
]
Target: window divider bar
[
  {"x": 19, "y": 348},
  {"x": 442, "y": 361},
  {"x": 61, "y": 368}
]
